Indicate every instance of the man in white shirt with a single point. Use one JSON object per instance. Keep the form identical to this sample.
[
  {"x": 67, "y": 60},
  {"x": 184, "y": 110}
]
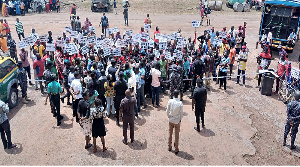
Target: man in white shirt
[
  {"x": 76, "y": 90},
  {"x": 155, "y": 85},
  {"x": 71, "y": 76},
  {"x": 175, "y": 114}
]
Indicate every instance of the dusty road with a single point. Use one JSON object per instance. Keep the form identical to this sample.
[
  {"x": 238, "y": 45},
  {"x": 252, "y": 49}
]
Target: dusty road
[{"x": 242, "y": 126}]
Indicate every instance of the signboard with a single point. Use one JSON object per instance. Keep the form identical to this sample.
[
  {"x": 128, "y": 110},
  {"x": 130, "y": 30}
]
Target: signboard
[
  {"x": 115, "y": 30},
  {"x": 30, "y": 40},
  {"x": 22, "y": 44},
  {"x": 71, "y": 48},
  {"x": 91, "y": 39},
  {"x": 68, "y": 29},
  {"x": 147, "y": 26},
  {"x": 162, "y": 45},
  {"x": 222, "y": 34},
  {"x": 73, "y": 34},
  {"x": 120, "y": 43},
  {"x": 107, "y": 51},
  {"x": 116, "y": 51},
  {"x": 50, "y": 47},
  {"x": 145, "y": 45},
  {"x": 109, "y": 31},
  {"x": 85, "y": 49},
  {"x": 129, "y": 33},
  {"x": 81, "y": 39},
  {"x": 43, "y": 38},
  {"x": 151, "y": 43},
  {"x": 195, "y": 23},
  {"x": 145, "y": 36},
  {"x": 295, "y": 73},
  {"x": 60, "y": 43},
  {"x": 91, "y": 28}
]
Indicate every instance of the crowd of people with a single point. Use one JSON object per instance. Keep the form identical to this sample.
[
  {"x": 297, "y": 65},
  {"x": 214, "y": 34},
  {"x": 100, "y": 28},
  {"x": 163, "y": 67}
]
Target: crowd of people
[{"x": 20, "y": 7}]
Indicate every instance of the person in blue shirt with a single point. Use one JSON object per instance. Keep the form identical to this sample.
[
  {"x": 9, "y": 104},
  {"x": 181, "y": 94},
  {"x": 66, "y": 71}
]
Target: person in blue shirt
[
  {"x": 212, "y": 35},
  {"x": 53, "y": 91},
  {"x": 142, "y": 82},
  {"x": 115, "y": 7},
  {"x": 18, "y": 8}
]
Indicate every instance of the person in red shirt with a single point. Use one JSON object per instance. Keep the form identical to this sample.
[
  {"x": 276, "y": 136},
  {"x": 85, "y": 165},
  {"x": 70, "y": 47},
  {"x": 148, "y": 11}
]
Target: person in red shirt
[
  {"x": 73, "y": 10},
  {"x": 202, "y": 14},
  {"x": 156, "y": 32},
  {"x": 7, "y": 27},
  {"x": 39, "y": 67},
  {"x": 264, "y": 63},
  {"x": 281, "y": 68}
]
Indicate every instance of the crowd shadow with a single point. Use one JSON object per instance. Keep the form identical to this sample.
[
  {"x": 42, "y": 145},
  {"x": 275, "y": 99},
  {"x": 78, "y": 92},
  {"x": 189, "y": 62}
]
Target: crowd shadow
[
  {"x": 109, "y": 153},
  {"x": 141, "y": 121},
  {"x": 206, "y": 132},
  {"x": 185, "y": 155},
  {"x": 230, "y": 92},
  {"x": 138, "y": 145},
  {"x": 64, "y": 125},
  {"x": 16, "y": 150}
]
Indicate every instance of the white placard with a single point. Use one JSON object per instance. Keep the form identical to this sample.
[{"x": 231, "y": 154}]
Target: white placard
[
  {"x": 145, "y": 45},
  {"x": 81, "y": 39},
  {"x": 129, "y": 33},
  {"x": 120, "y": 43},
  {"x": 60, "y": 43},
  {"x": 168, "y": 55},
  {"x": 22, "y": 44},
  {"x": 222, "y": 34},
  {"x": 71, "y": 48},
  {"x": 158, "y": 36},
  {"x": 91, "y": 28},
  {"x": 145, "y": 36},
  {"x": 109, "y": 30},
  {"x": 147, "y": 26},
  {"x": 91, "y": 39},
  {"x": 151, "y": 43},
  {"x": 73, "y": 34},
  {"x": 30, "y": 40},
  {"x": 156, "y": 53},
  {"x": 68, "y": 29},
  {"x": 128, "y": 41},
  {"x": 50, "y": 47},
  {"x": 195, "y": 23},
  {"x": 85, "y": 49},
  {"x": 116, "y": 51},
  {"x": 107, "y": 51},
  {"x": 43, "y": 38},
  {"x": 295, "y": 73},
  {"x": 162, "y": 45},
  {"x": 115, "y": 30}
]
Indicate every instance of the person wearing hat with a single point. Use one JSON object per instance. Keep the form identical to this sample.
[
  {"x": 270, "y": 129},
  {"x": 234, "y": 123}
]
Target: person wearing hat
[
  {"x": 120, "y": 87},
  {"x": 199, "y": 103},
  {"x": 22, "y": 78},
  {"x": 175, "y": 114},
  {"x": 293, "y": 120},
  {"x": 127, "y": 111},
  {"x": 242, "y": 59}
]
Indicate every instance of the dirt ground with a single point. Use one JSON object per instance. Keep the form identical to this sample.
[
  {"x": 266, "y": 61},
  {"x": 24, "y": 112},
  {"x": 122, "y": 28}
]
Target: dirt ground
[{"x": 243, "y": 127}]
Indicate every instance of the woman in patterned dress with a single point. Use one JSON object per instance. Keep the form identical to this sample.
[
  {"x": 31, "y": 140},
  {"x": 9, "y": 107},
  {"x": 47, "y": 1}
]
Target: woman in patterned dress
[{"x": 98, "y": 127}]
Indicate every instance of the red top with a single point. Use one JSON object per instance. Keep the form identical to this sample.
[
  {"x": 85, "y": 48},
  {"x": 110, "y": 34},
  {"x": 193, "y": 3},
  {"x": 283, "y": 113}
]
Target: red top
[
  {"x": 202, "y": 12},
  {"x": 40, "y": 64},
  {"x": 266, "y": 56},
  {"x": 156, "y": 32},
  {"x": 281, "y": 69}
]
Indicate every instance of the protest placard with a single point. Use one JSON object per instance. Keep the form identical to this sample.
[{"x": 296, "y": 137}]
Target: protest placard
[
  {"x": 68, "y": 29},
  {"x": 144, "y": 45},
  {"x": 71, "y": 48},
  {"x": 43, "y": 38},
  {"x": 195, "y": 23},
  {"x": 22, "y": 44},
  {"x": 107, "y": 51},
  {"x": 147, "y": 26},
  {"x": 91, "y": 28},
  {"x": 30, "y": 40},
  {"x": 73, "y": 34},
  {"x": 145, "y": 36},
  {"x": 158, "y": 36},
  {"x": 50, "y": 47},
  {"x": 81, "y": 39},
  {"x": 168, "y": 55},
  {"x": 85, "y": 49},
  {"x": 91, "y": 39},
  {"x": 116, "y": 51},
  {"x": 60, "y": 43},
  {"x": 295, "y": 73},
  {"x": 162, "y": 45},
  {"x": 109, "y": 30},
  {"x": 222, "y": 34},
  {"x": 115, "y": 30},
  {"x": 120, "y": 43},
  {"x": 129, "y": 33},
  {"x": 151, "y": 43}
]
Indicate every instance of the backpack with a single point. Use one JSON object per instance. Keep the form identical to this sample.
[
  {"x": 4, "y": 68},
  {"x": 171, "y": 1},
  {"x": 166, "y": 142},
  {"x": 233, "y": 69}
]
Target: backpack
[{"x": 104, "y": 21}]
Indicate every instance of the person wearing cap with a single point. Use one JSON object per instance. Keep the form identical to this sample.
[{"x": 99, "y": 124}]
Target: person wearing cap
[
  {"x": 120, "y": 87},
  {"x": 22, "y": 78},
  {"x": 175, "y": 114},
  {"x": 127, "y": 111},
  {"x": 11, "y": 44},
  {"x": 292, "y": 121},
  {"x": 199, "y": 103},
  {"x": 264, "y": 63},
  {"x": 242, "y": 59}
]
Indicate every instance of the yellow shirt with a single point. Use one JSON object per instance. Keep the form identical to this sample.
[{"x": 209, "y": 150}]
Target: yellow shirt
[
  {"x": 40, "y": 49},
  {"x": 3, "y": 44},
  {"x": 1, "y": 28}
]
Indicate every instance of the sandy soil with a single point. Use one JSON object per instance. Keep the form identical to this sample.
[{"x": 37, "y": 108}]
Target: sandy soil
[{"x": 243, "y": 127}]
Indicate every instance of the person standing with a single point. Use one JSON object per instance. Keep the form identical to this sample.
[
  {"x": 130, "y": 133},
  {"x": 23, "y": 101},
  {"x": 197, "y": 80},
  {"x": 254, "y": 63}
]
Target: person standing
[
  {"x": 156, "y": 32},
  {"x": 126, "y": 15},
  {"x": 199, "y": 103},
  {"x": 232, "y": 58},
  {"x": 156, "y": 80},
  {"x": 115, "y": 7},
  {"x": 40, "y": 48},
  {"x": 98, "y": 127},
  {"x": 242, "y": 59},
  {"x": 104, "y": 23},
  {"x": 223, "y": 69},
  {"x": 11, "y": 44},
  {"x": 76, "y": 90},
  {"x": 208, "y": 12},
  {"x": 77, "y": 24},
  {"x": 127, "y": 109},
  {"x": 3, "y": 45},
  {"x": 22, "y": 78},
  {"x": 38, "y": 65},
  {"x": 120, "y": 88},
  {"x": 138, "y": 88},
  {"x": 142, "y": 74},
  {"x": 163, "y": 69},
  {"x": 53, "y": 91},
  {"x": 73, "y": 9},
  {"x": 25, "y": 63},
  {"x": 293, "y": 109},
  {"x": 198, "y": 71},
  {"x": 109, "y": 93},
  {"x": 66, "y": 73},
  {"x": 58, "y": 6},
  {"x": 209, "y": 69},
  {"x": 83, "y": 113},
  {"x": 5, "y": 127},
  {"x": 175, "y": 114}
]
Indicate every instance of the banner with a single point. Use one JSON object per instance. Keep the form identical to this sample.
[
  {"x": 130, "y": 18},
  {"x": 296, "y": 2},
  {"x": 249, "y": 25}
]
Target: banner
[
  {"x": 22, "y": 44},
  {"x": 50, "y": 47}
]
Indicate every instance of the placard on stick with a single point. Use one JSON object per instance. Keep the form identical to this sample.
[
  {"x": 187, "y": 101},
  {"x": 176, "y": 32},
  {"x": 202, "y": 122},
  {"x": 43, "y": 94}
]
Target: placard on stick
[
  {"x": 115, "y": 30},
  {"x": 22, "y": 44},
  {"x": 195, "y": 23},
  {"x": 68, "y": 29},
  {"x": 50, "y": 47},
  {"x": 85, "y": 49},
  {"x": 91, "y": 39},
  {"x": 147, "y": 26},
  {"x": 43, "y": 38},
  {"x": 91, "y": 28},
  {"x": 74, "y": 34},
  {"x": 60, "y": 43}
]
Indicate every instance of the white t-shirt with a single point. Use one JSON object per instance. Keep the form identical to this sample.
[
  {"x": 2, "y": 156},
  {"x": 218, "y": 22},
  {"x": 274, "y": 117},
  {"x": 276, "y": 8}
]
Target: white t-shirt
[
  {"x": 155, "y": 75},
  {"x": 269, "y": 38},
  {"x": 76, "y": 86},
  {"x": 132, "y": 83}
]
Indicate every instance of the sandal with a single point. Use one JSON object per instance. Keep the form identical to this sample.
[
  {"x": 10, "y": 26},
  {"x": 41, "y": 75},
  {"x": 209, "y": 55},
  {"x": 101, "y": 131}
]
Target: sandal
[{"x": 104, "y": 148}]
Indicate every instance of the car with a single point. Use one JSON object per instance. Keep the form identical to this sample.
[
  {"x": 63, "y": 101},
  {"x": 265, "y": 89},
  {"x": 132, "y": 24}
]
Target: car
[
  {"x": 8, "y": 81},
  {"x": 98, "y": 5}
]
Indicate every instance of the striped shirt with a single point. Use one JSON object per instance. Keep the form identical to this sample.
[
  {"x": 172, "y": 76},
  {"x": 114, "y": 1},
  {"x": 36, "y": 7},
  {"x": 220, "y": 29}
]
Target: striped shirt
[
  {"x": 19, "y": 27},
  {"x": 3, "y": 111}
]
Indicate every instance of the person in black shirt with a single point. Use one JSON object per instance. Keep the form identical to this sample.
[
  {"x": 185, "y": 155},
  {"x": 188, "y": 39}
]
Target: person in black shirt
[
  {"x": 120, "y": 88},
  {"x": 199, "y": 100},
  {"x": 66, "y": 72},
  {"x": 198, "y": 71},
  {"x": 112, "y": 70},
  {"x": 100, "y": 87},
  {"x": 83, "y": 112}
]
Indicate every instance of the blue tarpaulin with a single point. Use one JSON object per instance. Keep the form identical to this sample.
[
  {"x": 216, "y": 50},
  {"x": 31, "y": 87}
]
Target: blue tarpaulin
[{"x": 291, "y": 3}]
